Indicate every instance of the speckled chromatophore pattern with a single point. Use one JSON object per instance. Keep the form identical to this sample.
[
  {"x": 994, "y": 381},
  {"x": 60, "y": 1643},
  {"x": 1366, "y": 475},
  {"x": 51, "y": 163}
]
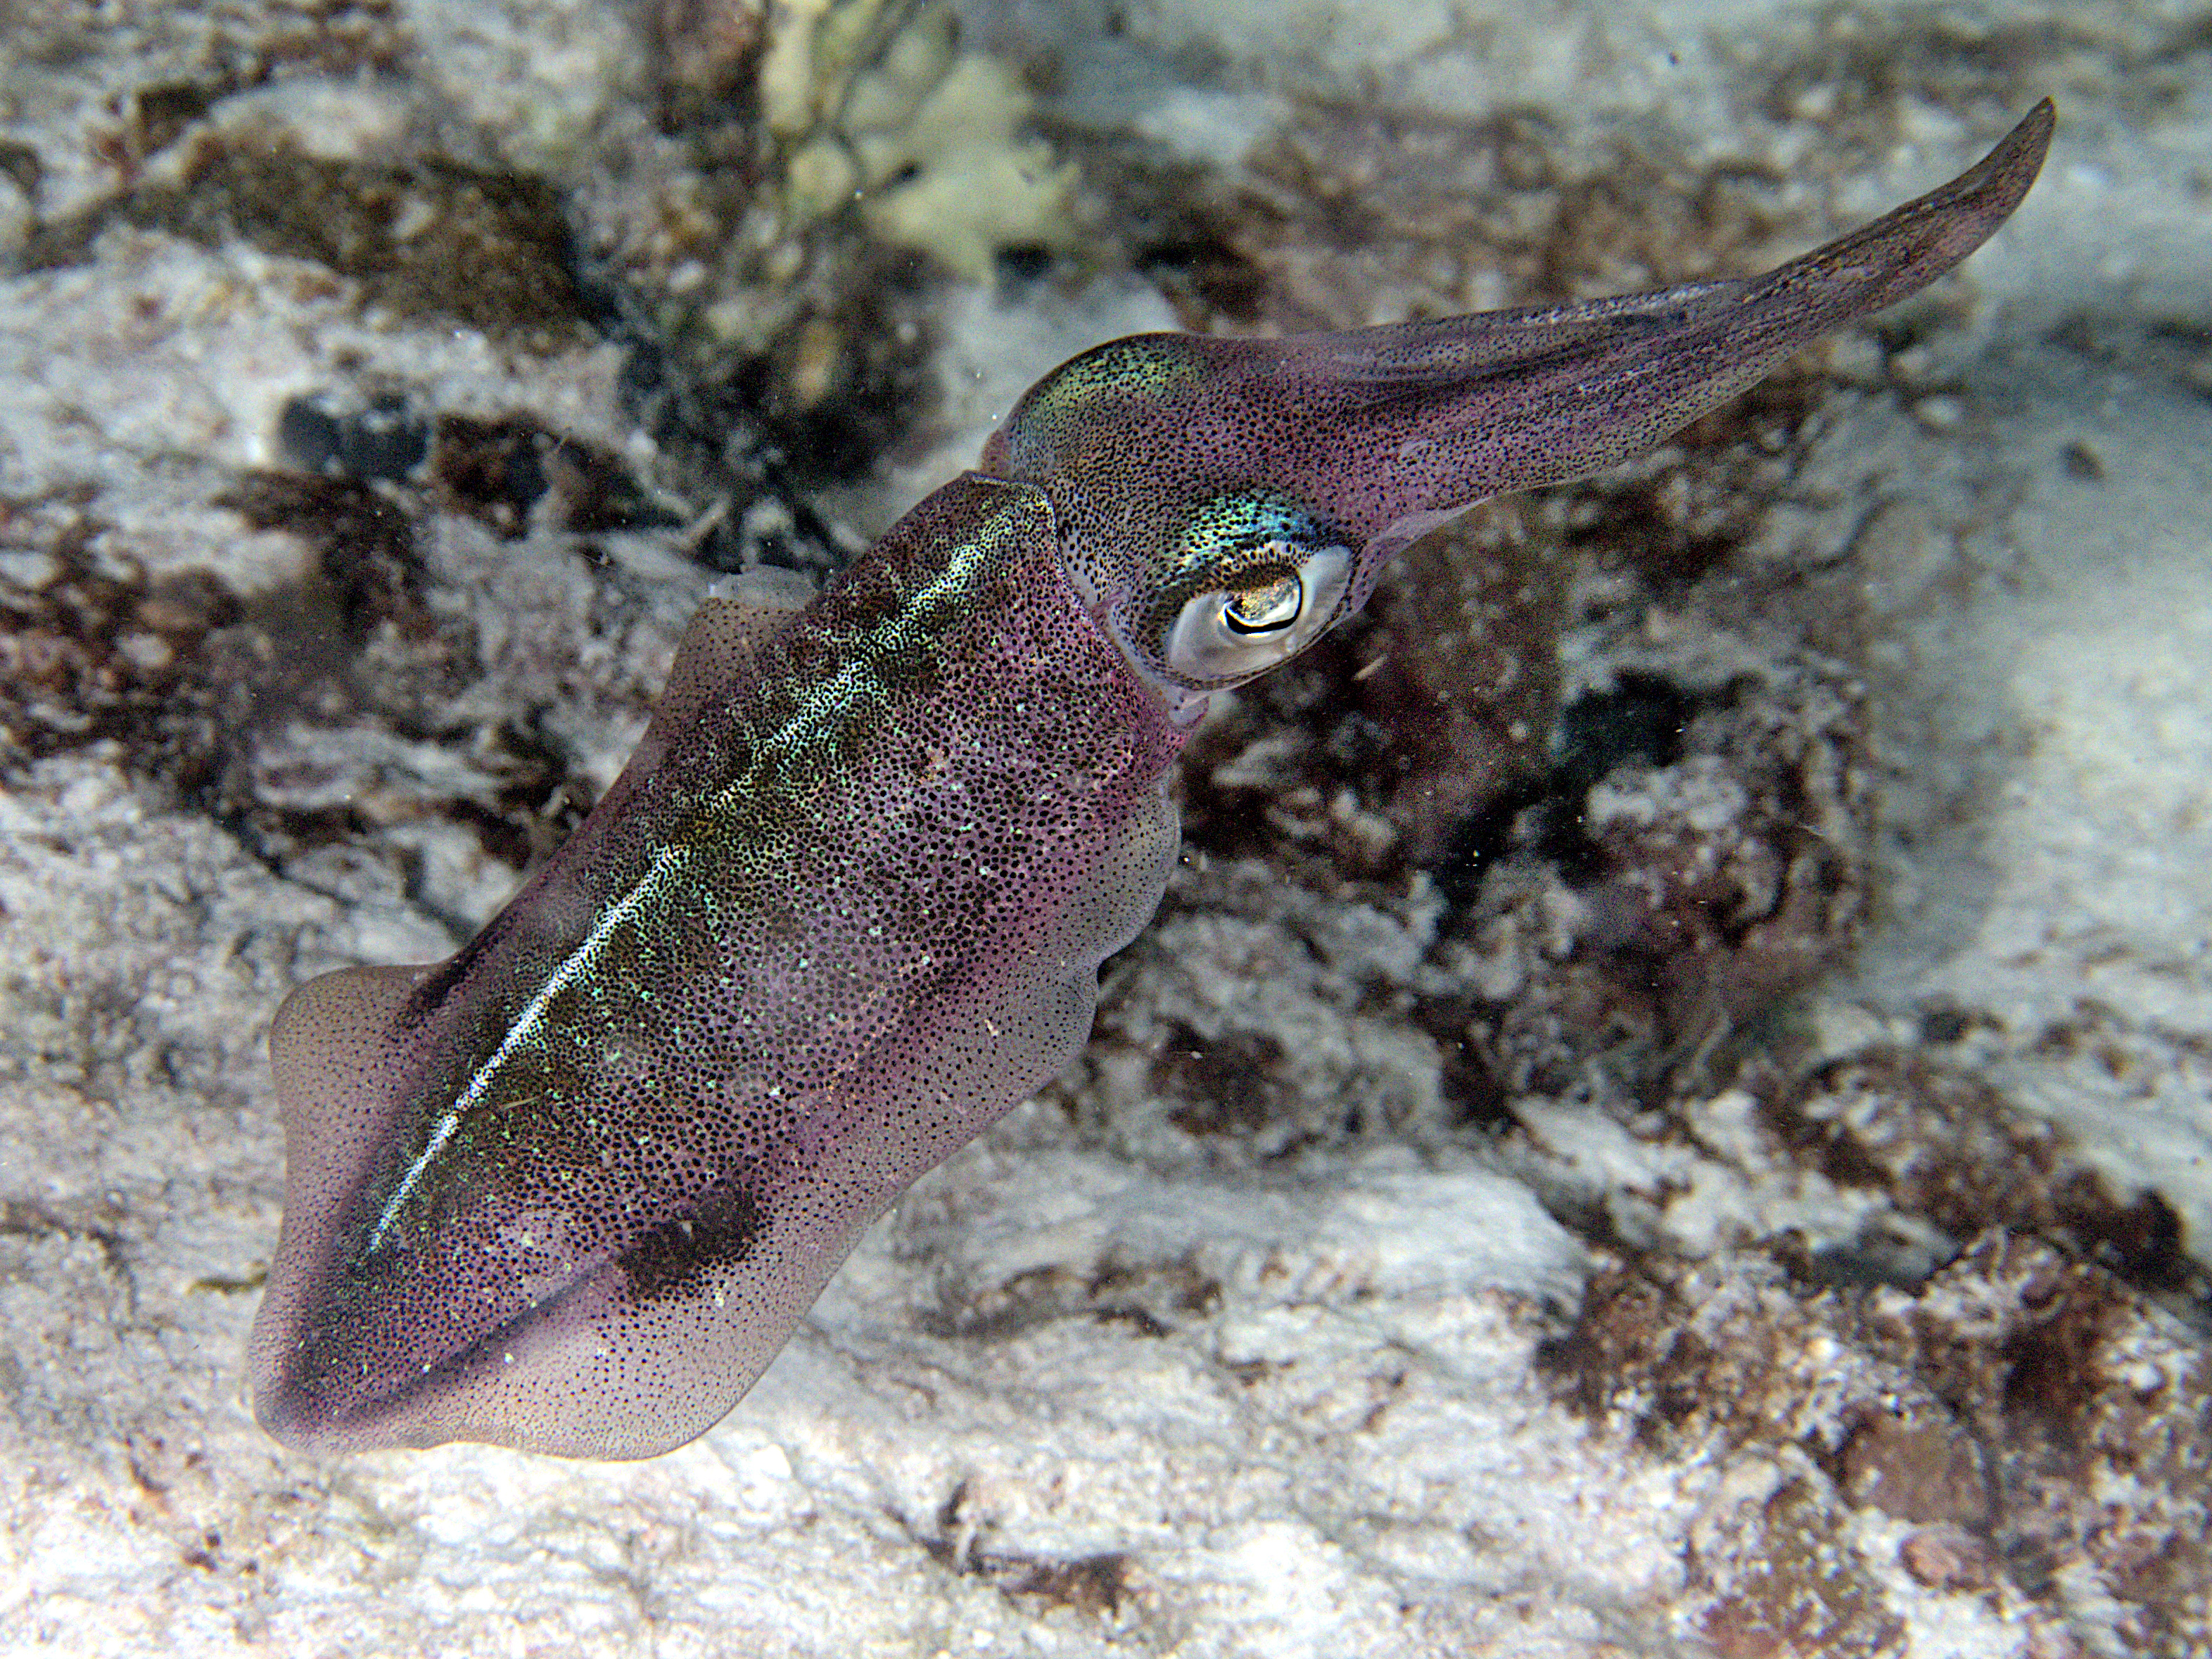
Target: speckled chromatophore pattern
[{"x": 571, "y": 1190}]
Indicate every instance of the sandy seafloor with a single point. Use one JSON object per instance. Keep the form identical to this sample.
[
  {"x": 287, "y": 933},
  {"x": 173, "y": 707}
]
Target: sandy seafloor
[{"x": 1866, "y": 1316}]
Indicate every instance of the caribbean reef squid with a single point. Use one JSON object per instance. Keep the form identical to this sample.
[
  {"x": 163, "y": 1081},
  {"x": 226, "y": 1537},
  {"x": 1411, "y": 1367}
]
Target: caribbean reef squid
[{"x": 573, "y": 1189}]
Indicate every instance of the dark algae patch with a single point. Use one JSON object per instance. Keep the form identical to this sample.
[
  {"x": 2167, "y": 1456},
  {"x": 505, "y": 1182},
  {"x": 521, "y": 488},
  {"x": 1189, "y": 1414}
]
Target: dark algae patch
[
  {"x": 97, "y": 652},
  {"x": 434, "y": 238},
  {"x": 2040, "y": 1425}
]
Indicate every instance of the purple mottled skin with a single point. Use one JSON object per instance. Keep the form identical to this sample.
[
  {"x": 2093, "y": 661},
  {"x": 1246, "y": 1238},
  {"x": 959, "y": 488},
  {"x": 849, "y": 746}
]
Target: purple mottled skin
[{"x": 573, "y": 1189}]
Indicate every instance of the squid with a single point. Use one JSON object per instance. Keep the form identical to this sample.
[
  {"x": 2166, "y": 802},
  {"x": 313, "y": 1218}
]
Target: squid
[{"x": 571, "y": 1190}]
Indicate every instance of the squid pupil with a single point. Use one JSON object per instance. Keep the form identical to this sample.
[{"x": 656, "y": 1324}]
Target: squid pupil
[{"x": 1265, "y": 610}]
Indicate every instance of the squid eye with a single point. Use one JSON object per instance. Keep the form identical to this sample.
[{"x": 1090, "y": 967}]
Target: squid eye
[
  {"x": 1269, "y": 609},
  {"x": 1225, "y": 634}
]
